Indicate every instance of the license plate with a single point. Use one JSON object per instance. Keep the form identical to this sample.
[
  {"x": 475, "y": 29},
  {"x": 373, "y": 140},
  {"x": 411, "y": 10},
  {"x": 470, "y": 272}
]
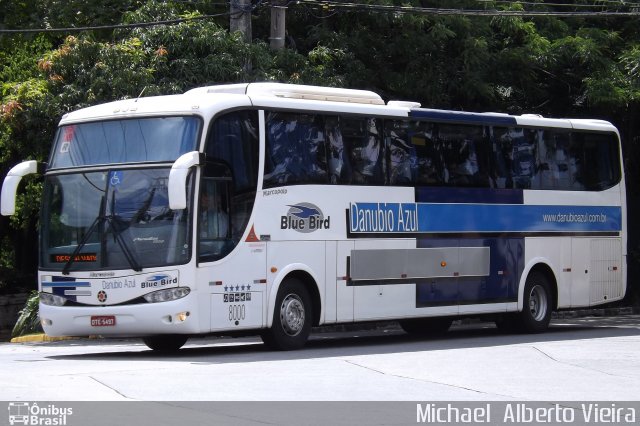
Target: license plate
[{"x": 103, "y": 321}]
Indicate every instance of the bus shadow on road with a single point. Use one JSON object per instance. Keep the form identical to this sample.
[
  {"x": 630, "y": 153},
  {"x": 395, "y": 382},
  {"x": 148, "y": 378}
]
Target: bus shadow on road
[{"x": 216, "y": 350}]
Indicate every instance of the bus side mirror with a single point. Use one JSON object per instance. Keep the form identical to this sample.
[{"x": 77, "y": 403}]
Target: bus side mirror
[
  {"x": 178, "y": 178},
  {"x": 11, "y": 182}
]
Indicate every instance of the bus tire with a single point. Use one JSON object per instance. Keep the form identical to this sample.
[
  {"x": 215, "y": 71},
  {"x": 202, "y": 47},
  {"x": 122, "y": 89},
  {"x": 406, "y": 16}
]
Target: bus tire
[
  {"x": 165, "y": 342},
  {"x": 538, "y": 304},
  {"x": 426, "y": 326},
  {"x": 292, "y": 317}
]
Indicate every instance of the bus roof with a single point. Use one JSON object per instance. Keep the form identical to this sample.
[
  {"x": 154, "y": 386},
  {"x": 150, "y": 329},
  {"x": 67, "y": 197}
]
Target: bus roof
[{"x": 309, "y": 98}]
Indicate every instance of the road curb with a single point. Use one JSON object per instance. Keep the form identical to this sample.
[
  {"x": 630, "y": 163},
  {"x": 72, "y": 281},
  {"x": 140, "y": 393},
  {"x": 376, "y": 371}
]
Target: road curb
[{"x": 38, "y": 338}]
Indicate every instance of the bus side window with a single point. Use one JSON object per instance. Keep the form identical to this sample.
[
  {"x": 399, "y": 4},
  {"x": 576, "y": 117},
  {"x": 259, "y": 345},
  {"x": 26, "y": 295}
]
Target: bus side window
[
  {"x": 233, "y": 140},
  {"x": 214, "y": 223},
  {"x": 429, "y": 162},
  {"x": 556, "y": 165},
  {"x": 464, "y": 149},
  {"x": 295, "y": 151},
  {"x": 597, "y": 160},
  {"x": 339, "y": 166},
  {"x": 363, "y": 142},
  {"x": 402, "y": 152},
  {"x": 514, "y": 149},
  {"x": 232, "y": 170}
]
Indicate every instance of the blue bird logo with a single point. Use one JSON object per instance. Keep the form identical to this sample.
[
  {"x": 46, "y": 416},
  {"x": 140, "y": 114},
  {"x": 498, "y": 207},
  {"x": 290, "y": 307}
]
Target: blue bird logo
[
  {"x": 304, "y": 212},
  {"x": 157, "y": 277}
]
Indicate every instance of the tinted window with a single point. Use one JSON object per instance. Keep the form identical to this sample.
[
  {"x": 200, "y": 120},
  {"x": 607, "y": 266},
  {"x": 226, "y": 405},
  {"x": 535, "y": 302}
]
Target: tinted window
[
  {"x": 125, "y": 141},
  {"x": 556, "y": 166},
  {"x": 554, "y": 159},
  {"x": 514, "y": 155},
  {"x": 597, "y": 160},
  {"x": 363, "y": 145},
  {"x": 233, "y": 141},
  {"x": 308, "y": 148},
  {"x": 295, "y": 151},
  {"x": 403, "y": 139},
  {"x": 228, "y": 185}
]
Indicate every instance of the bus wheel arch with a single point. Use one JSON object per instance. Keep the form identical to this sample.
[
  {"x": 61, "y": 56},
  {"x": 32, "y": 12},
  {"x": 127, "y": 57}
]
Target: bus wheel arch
[
  {"x": 310, "y": 284},
  {"x": 295, "y": 309},
  {"x": 539, "y": 299},
  {"x": 543, "y": 268}
]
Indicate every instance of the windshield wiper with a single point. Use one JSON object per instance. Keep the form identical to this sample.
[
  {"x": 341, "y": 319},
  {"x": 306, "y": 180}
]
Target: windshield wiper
[
  {"x": 117, "y": 236},
  {"x": 85, "y": 238},
  {"x": 117, "y": 226}
]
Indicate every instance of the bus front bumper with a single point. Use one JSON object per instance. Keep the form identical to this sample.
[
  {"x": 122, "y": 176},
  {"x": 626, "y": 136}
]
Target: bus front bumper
[{"x": 173, "y": 317}]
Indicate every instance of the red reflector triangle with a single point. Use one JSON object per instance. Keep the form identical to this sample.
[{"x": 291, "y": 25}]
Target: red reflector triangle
[{"x": 252, "y": 238}]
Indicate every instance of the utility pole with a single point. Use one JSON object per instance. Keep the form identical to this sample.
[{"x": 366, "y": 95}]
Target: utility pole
[
  {"x": 278, "y": 23},
  {"x": 240, "y": 19}
]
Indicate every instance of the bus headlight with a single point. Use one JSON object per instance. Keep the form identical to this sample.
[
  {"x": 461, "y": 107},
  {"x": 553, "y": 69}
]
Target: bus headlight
[
  {"x": 167, "y": 294},
  {"x": 52, "y": 299}
]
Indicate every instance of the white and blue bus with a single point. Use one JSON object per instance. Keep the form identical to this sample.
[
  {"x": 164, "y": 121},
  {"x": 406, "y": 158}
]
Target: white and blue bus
[{"x": 272, "y": 208}]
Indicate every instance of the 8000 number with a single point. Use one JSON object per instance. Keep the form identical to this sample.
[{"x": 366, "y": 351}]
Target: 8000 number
[{"x": 237, "y": 312}]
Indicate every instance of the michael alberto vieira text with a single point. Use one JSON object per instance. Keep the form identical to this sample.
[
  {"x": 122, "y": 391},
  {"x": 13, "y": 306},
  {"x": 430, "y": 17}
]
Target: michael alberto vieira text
[{"x": 522, "y": 413}]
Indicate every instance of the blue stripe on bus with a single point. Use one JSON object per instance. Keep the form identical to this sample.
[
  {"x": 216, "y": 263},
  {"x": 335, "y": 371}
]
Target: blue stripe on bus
[
  {"x": 517, "y": 218},
  {"x": 469, "y": 195},
  {"x": 417, "y": 218},
  {"x": 68, "y": 284},
  {"x": 60, "y": 284},
  {"x": 464, "y": 117}
]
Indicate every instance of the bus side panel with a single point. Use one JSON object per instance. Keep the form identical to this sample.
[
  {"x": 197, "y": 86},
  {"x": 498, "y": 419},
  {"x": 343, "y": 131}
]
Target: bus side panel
[
  {"x": 285, "y": 257},
  {"x": 556, "y": 253},
  {"x": 378, "y": 300},
  {"x": 598, "y": 271},
  {"x": 579, "y": 276},
  {"x": 499, "y": 286},
  {"x": 330, "y": 289},
  {"x": 237, "y": 287},
  {"x": 344, "y": 292}
]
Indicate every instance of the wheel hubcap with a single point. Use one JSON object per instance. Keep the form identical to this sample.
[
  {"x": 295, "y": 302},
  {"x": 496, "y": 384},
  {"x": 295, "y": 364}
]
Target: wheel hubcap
[
  {"x": 292, "y": 315},
  {"x": 538, "y": 303}
]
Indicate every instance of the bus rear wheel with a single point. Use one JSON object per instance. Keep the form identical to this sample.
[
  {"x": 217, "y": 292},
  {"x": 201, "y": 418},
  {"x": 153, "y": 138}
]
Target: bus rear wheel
[
  {"x": 165, "y": 342},
  {"x": 538, "y": 304},
  {"x": 292, "y": 317}
]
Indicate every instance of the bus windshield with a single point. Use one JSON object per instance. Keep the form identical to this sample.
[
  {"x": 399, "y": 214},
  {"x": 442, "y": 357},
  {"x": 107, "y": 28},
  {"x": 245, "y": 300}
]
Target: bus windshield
[
  {"x": 152, "y": 139},
  {"x": 112, "y": 219}
]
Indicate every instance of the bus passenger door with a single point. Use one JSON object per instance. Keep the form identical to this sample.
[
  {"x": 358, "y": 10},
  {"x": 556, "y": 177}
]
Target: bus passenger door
[{"x": 344, "y": 292}]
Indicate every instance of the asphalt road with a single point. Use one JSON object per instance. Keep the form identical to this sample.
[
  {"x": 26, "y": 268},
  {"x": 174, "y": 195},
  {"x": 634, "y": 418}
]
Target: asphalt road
[{"x": 579, "y": 359}]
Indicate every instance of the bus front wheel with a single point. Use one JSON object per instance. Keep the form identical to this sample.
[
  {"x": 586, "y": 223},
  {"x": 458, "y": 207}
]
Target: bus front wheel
[
  {"x": 292, "y": 317},
  {"x": 538, "y": 304},
  {"x": 165, "y": 342}
]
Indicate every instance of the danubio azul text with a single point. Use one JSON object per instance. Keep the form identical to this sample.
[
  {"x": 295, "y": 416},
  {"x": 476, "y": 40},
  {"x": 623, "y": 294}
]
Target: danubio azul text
[{"x": 383, "y": 217}]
